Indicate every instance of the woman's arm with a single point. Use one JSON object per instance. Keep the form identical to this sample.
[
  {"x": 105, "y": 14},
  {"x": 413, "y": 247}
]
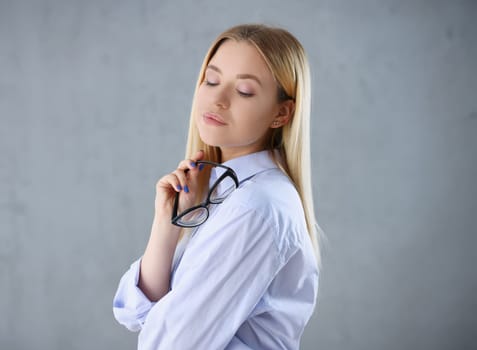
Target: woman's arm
[{"x": 155, "y": 271}]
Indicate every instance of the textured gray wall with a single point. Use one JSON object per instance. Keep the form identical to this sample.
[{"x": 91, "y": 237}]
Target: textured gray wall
[{"x": 94, "y": 101}]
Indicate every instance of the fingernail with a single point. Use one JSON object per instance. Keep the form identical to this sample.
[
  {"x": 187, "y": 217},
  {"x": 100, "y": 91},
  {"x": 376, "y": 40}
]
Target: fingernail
[
  {"x": 186, "y": 189},
  {"x": 179, "y": 187},
  {"x": 201, "y": 166},
  {"x": 192, "y": 164}
]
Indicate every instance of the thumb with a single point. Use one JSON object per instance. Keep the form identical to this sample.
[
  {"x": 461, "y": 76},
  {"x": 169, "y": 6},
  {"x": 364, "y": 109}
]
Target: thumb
[{"x": 199, "y": 155}]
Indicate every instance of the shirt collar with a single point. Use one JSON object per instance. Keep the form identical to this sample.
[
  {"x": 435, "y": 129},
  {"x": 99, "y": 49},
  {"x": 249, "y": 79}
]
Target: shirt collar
[{"x": 245, "y": 166}]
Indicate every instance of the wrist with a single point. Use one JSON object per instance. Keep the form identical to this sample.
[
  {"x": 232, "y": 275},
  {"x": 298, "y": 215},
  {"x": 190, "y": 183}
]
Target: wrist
[{"x": 163, "y": 226}]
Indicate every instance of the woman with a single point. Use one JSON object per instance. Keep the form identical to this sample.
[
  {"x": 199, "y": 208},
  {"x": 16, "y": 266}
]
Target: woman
[{"x": 237, "y": 265}]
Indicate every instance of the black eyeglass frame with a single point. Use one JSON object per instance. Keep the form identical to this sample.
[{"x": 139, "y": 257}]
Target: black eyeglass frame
[{"x": 228, "y": 172}]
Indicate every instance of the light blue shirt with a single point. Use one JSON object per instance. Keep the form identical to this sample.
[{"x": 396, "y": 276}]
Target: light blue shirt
[{"x": 245, "y": 279}]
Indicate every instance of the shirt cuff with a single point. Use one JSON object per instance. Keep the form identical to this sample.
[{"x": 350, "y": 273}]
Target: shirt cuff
[{"x": 130, "y": 305}]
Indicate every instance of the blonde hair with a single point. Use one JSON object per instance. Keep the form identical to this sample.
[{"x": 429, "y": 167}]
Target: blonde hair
[{"x": 288, "y": 63}]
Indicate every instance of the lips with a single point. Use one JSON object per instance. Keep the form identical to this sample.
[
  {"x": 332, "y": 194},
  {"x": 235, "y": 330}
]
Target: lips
[{"x": 213, "y": 119}]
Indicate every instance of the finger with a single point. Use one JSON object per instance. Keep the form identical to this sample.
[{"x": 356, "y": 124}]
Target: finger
[
  {"x": 188, "y": 166},
  {"x": 182, "y": 176},
  {"x": 188, "y": 169},
  {"x": 199, "y": 155},
  {"x": 168, "y": 182},
  {"x": 190, "y": 163}
]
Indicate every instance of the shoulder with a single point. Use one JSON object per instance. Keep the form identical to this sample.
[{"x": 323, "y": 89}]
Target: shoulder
[
  {"x": 273, "y": 201},
  {"x": 270, "y": 193}
]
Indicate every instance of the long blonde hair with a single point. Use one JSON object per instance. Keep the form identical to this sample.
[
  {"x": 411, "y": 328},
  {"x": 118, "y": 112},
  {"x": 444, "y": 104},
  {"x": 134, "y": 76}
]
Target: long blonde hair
[{"x": 288, "y": 63}]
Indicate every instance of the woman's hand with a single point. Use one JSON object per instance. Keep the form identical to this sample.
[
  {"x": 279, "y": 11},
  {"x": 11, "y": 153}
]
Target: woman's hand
[
  {"x": 183, "y": 180},
  {"x": 154, "y": 278}
]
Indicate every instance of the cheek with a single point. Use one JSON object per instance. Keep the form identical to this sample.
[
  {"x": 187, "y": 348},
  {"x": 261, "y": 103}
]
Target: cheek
[
  {"x": 204, "y": 93},
  {"x": 261, "y": 113},
  {"x": 253, "y": 123},
  {"x": 200, "y": 103},
  {"x": 199, "y": 98}
]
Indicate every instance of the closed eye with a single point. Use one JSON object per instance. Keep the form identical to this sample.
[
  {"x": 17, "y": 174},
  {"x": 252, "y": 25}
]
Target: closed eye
[
  {"x": 244, "y": 94},
  {"x": 241, "y": 93},
  {"x": 209, "y": 83}
]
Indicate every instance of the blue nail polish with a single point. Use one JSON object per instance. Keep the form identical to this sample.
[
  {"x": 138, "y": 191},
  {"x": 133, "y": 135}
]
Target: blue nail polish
[
  {"x": 201, "y": 166},
  {"x": 186, "y": 189},
  {"x": 179, "y": 187}
]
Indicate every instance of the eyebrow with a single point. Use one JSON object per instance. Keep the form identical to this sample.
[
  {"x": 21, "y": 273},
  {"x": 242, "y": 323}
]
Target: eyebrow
[{"x": 239, "y": 76}]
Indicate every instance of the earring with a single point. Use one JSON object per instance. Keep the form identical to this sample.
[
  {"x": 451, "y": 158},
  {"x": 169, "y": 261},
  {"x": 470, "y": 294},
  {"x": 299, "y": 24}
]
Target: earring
[{"x": 276, "y": 123}]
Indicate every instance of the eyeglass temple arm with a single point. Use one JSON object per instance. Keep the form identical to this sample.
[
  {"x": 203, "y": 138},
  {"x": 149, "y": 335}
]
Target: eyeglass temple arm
[{"x": 176, "y": 206}]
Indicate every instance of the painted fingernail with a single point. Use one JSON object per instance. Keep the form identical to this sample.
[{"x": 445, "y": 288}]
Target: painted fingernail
[
  {"x": 201, "y": 166},
  {"x": 186, "y": 189},
  {"x": 179, "y": 187}
]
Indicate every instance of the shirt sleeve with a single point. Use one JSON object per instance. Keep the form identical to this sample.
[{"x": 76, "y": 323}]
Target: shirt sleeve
[
  {"x": 226, "y": 268},
  {"x": 130, "y": 305}
]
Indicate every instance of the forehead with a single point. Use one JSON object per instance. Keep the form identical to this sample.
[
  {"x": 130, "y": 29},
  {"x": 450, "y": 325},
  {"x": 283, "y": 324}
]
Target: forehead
[{"x": 240, "y": 57}]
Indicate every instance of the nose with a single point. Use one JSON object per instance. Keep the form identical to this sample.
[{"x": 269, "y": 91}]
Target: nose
[{"x": 221, "y": 98}]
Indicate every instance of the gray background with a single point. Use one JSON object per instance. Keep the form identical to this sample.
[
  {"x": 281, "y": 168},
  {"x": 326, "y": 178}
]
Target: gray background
[{"x": 94, "y": 102}]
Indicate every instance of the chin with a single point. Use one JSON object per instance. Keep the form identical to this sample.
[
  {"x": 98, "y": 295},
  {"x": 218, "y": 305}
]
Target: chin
[{"x": 211, "y": 140}]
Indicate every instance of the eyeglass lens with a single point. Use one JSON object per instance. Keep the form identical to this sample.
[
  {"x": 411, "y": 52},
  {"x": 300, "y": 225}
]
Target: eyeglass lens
[{"x": 194, "y": 217}]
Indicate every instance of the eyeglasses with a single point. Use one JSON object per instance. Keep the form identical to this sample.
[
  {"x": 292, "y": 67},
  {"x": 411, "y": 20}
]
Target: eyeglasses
[{"x": 219, "y": 191}]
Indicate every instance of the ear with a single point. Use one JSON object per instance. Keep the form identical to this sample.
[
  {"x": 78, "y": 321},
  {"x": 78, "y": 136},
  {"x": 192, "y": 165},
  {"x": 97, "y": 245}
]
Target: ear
[{"x": 284, "y": 114}]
